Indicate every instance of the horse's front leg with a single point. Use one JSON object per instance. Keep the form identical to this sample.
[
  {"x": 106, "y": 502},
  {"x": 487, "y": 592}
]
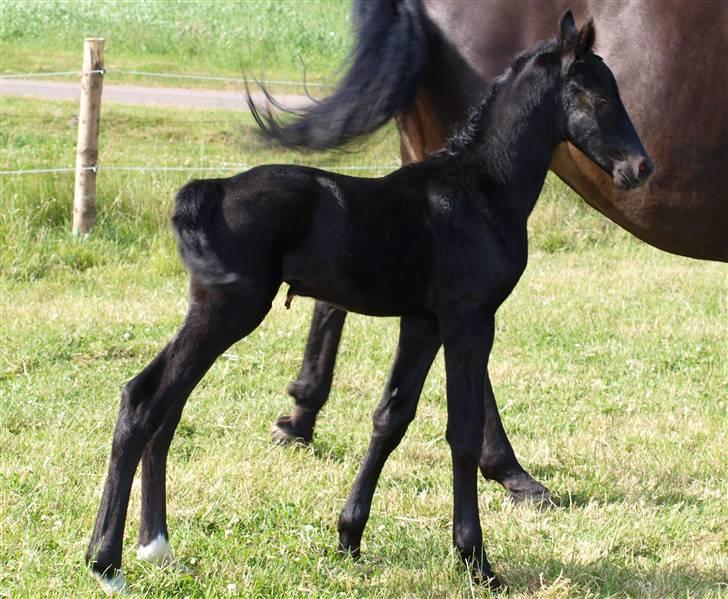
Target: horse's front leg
[
  {"x": 467, "y": 339},
  {"x": 418, "y": 345},
  {"x": 311, "y": 389},
  {"x": 498, "y": 461}
]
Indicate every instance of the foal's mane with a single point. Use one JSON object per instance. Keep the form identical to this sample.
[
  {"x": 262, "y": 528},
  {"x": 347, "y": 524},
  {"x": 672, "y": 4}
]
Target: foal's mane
[{"x": 472, "y": 126}]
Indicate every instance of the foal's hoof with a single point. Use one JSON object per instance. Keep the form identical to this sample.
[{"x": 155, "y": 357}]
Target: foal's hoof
[
  {"x": 523, "y": 488},
  {"x": 159, "y": 552},
  {"x": 347, "y": 549},
  {"x": 112, "y": 584},
  {"x": 285, "y": 432},
  {"x": 488, "y": 580}
]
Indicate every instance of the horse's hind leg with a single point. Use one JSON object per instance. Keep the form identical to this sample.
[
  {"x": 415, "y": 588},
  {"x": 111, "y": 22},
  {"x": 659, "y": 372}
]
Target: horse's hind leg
[
  {"x": 311, "y": 389},
  {"x": 418, "y": 345},
  {"x": 152, "y": 403},
  {"x": 498, "y": 461}
]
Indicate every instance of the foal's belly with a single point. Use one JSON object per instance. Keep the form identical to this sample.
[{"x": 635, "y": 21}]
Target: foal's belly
[
  {"x": 362, "y": 287},
  {"x": 350, "y": 297}
]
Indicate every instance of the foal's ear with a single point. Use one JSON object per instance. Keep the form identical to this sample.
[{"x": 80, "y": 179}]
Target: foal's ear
[
  {"x": 567, "y": 28},
  {"x": 575, "y": 41},
  {"x": 586, "y": 38}
]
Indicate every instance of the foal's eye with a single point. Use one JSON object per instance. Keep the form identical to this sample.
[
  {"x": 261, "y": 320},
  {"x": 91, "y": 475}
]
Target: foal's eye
[{"x": 599, "y": 101}]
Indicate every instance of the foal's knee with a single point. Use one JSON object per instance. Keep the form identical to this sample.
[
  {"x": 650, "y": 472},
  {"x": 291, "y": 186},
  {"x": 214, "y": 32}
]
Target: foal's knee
[{"x": 392, "y": 419}]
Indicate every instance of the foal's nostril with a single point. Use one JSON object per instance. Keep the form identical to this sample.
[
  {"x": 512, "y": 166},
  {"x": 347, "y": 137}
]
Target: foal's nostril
[{"x": 644, "y": 168}]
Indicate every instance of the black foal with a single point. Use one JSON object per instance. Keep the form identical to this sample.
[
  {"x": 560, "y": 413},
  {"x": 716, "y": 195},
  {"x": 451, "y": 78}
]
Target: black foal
[{"x": 440, "y": 243}]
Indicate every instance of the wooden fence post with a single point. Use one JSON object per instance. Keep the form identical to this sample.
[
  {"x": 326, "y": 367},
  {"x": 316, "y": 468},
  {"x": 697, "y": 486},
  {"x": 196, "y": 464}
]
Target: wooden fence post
[{"x": 87, "y": 146}]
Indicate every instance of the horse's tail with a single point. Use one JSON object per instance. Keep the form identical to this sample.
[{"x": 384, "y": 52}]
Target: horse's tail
[
  {"x": 386, "y": 63},
  {"x": 195, "y": 207}
]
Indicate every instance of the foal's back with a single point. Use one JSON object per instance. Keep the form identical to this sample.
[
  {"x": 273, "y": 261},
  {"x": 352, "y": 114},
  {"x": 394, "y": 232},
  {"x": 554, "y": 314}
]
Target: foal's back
[{"x": 397, "y": 245}]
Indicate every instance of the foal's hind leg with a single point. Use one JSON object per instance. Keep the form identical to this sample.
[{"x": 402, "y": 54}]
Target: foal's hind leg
[
  {"x": 418, "y": 345},
  {"x": 153, "y": 535},
  {"x": 311, "y": 389},
  {"x": 155, "y": 398}
]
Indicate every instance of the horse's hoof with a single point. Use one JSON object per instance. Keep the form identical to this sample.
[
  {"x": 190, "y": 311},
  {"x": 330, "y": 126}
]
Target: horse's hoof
[
  {"x": 114, "y": 584},
  {"x": 489, "y": 581},
  {"x": 524, "y": 489},
  {"x": 284, "y": 432},
  {"x": 159, "y": 552}
]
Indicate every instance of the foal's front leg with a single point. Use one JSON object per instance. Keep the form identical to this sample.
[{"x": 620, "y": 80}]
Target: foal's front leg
[
  {"x": 467, "y": 339},
  {"x": 418, "y": 345}
]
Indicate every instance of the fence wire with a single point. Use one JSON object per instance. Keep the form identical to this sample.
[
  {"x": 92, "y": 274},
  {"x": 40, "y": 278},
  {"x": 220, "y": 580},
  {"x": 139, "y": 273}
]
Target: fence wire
[
  {"x": 175, "y": 168},
  {"x": 189, "y": 76},
  {"x": 222, "y": 168}
]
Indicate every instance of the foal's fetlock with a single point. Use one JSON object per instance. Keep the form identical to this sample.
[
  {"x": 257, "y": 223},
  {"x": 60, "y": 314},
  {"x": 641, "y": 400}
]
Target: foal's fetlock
[{"x": 351, "y": 528}]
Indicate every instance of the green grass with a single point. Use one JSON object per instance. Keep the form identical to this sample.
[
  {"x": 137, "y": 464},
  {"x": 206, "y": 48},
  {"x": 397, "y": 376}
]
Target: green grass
[
  {"x": 222, "y": 38},
  {"x": 609, "y": 367}
]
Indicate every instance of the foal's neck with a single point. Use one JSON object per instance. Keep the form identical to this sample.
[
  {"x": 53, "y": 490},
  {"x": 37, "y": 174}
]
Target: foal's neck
[{"x": 518, "y": 134}]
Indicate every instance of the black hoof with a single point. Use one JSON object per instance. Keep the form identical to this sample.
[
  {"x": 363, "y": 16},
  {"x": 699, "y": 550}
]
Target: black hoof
[
  {"x": 482, "y": 574},
  {"x": 490, "y": 581},
  {"x": 285, "y": 432},
  {"x": 348, "y": 551},
  {"x": 522, "y": 488}
]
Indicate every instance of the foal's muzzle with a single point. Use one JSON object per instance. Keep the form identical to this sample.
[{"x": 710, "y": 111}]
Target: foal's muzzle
[{"x": 633, "y": 171}]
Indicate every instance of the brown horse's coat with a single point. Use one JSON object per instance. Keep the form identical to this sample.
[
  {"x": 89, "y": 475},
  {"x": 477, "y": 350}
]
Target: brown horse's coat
[{"x": 669, "y": 59}]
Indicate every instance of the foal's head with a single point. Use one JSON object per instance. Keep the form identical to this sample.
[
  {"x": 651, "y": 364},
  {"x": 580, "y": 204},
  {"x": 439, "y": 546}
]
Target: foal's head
[{"x": 593, "y": 116}]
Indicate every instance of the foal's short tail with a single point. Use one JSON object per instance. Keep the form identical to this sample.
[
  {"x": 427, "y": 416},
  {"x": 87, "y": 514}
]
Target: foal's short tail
[{"x": 196, "y": 205}]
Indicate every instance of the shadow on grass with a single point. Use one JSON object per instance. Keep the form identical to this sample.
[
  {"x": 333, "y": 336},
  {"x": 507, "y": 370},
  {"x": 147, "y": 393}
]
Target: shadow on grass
[
  {"x": 607, "y": 493},
  {"x": 605, "y": 577}
]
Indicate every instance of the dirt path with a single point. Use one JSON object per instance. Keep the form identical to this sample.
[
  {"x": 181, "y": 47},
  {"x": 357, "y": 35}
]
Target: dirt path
[{"x": 149, "y": 96}]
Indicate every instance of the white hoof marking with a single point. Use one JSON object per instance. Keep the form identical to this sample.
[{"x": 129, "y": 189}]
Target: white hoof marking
[
  {"x": 112, "y": 585},
  {"x": 159, "y": 551}
]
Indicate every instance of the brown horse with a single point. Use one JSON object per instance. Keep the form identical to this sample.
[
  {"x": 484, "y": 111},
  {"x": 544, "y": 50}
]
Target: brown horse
[
  {"x": 426, "y": 61},
  {"x": 667, "y": 55}
]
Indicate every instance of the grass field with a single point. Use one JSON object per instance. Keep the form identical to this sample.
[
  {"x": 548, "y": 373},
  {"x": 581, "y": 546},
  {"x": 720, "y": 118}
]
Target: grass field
[
  {"x": 609, "y": 367},
  {"x": 264, "y": 38}
]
